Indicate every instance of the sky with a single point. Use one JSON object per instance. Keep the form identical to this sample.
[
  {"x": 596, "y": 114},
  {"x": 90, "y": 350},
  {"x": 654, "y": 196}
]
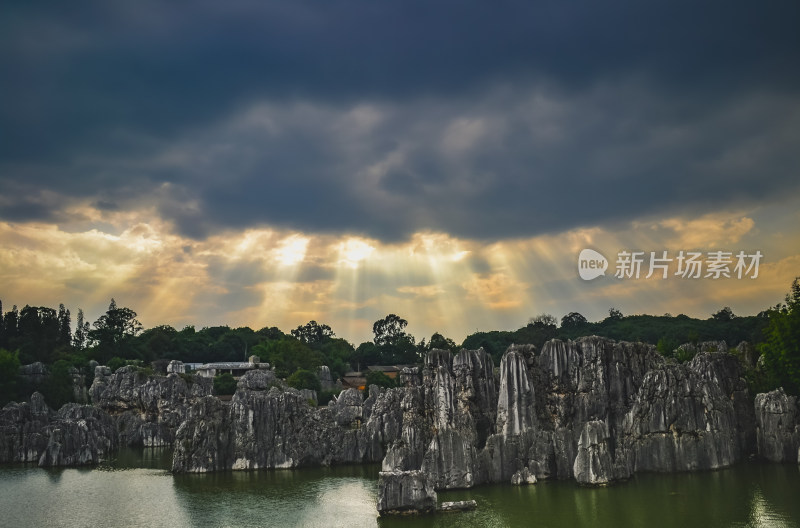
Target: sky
[{"x": 262, "y": 163}]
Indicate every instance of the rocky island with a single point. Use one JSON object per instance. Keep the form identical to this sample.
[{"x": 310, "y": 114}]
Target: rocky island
[{"x": 593, "y": 410}]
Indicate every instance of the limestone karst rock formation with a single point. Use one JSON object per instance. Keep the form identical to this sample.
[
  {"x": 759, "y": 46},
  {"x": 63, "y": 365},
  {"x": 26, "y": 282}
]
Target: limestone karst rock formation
[{"x": 593, "y": 410}]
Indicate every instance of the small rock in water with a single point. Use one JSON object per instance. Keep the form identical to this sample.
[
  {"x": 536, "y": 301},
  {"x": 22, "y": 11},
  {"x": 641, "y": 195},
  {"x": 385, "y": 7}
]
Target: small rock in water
[
  {"x": 466, "y": 505},
  {"x": 522, "y": 477}
]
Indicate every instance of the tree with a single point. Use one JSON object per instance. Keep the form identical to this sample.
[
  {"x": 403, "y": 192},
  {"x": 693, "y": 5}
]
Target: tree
[
  {"x": 495, "y": 343},
  {"x": 337, "y": 354},
  {"x": 230, "y": 346},
  {"x": 401, "y": 352},
  {"x": 10, "y": 325},
  {"x": 113, "y": 332},
  {"x": 781, "y": 350},
  {"x": 64, "y": 327},
  {"x": 9, "y": 371},
  {"x": 272, "y": 332},
  {"x": 395, "y": 345},
  {"x": 667, "y": 346},
  {"x": 313, "y": 333},
  {"x": 439, "y": 341},
  {"x": 572, "y": 320},
  {"x": 375, "y": 377},
  {"x": 304, "y": 379},
  {"x": 58, "y": 389},
  {"x": 389, "y": 330},
  {"x": 159, "y": 342},
  {"x": 614, "y": 314},
  {"x": 159, "y": 366},
  {"x": 224, "y": 384},
  {"x": 116, "y": 363},
  {"x": 37, "y": 334},
  {"x": 81, "y": 332},
  {"x": 287, "y": 355},
  {"x": 366, "y": 354},
  {"x": 725, "y": 314},
  {"x": 543, "y": 319}
]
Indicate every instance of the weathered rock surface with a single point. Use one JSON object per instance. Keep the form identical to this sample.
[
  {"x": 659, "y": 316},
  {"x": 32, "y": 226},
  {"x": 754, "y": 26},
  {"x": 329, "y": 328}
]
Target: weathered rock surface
[
  {"x": 80, "y": 393},
  {"x": 727, "y": 372},
  {"x": 22, "y": 430},
  {"x": 777, "y": 426},
  {"x": 680, "y": 421},
  {"x": 746, "y": 354},
  {"x": 523, "y": 477},
  {"x": 405, "y": 492},
  {"x": 572, "y": 383},
  {"x": 176, "y": 367},
  {"x": 259, "y": 380},
  {"x": 326, "y": 378},
  {"x": 594, "y": 464},
  {"x": 591, "y": 409},
  {"x": 76, "y": 435},
  {"x": 147, "y": 409},
  {"x": 348, "y": 408},
  {"x": 80, "y": 435},
  {"x": 270, "y": 426},
  {"x": 33, "y": 374},
  {"x": 461, "y": 393}
]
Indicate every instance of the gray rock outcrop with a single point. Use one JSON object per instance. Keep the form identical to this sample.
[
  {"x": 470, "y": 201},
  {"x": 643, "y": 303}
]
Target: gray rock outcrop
[
  {"x": 680, "y": 421},
  {"x": 456, "y": 506},
  {"x": 79, "y": 435},
  {"x": 22, "y": 430},
  {"x": 147, "y": 409},
  {"x": 594, "y": 464},
  {"x": 176, "y": 367},
  {"x": 76, "y": 435},
  {"x": 267, "y": 425},
  {"x": 777, "y": 426},
  {"x": 591, "y": 409},
  {"x": 33, "y": 374},
  {"x": 405, "y": 492},
  {"x": 326, "y": 378}
]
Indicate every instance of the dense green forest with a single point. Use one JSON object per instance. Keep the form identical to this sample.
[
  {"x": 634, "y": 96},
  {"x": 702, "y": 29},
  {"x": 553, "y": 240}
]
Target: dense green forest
[{"x": 117, "y": 338}]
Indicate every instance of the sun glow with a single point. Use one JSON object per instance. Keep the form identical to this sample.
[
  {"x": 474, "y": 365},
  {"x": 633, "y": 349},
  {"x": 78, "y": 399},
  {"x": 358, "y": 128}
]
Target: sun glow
[
  {"x": 292, "y": 250},
  {"x": 353, "y": 251},
  {"x": 437, "y": 281}
]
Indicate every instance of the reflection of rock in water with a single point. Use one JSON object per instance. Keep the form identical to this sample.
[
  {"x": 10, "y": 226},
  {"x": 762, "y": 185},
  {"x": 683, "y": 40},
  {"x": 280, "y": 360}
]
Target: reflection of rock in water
[{"x": 293, "y": 497}]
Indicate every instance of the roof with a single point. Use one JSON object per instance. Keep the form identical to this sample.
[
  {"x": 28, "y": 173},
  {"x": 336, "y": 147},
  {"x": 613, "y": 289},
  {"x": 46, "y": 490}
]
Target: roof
[
  {"x": 229, "y": 365},
  {"x": 384, "y": 368}
]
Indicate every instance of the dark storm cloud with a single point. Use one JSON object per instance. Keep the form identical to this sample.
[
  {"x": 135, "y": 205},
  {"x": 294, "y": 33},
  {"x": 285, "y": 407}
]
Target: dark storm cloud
[{"x": 500, "y": 119}]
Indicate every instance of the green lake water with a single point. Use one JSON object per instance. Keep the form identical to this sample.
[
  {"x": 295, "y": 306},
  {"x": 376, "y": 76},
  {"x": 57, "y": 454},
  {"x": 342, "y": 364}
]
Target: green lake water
[{"x": 136, "y": 489}]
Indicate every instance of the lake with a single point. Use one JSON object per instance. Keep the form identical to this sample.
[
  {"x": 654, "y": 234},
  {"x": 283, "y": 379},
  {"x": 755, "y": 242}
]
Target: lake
[{"x": 136, "y": 489}]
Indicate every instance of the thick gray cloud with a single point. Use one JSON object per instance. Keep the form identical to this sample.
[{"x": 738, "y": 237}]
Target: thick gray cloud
[{"x": 483, "y": 120}]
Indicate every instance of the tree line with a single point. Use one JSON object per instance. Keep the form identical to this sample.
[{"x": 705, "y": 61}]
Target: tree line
[{"x": 117, "y": 338}]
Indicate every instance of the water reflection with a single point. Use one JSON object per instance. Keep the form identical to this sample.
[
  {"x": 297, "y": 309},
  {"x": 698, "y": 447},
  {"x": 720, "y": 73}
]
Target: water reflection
[
  {"x": 30, "y": 496},
  {"x": 136, "y": 489},
  {"x": 343, "y": 496},
  {"x": 747, "y": 495}
]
